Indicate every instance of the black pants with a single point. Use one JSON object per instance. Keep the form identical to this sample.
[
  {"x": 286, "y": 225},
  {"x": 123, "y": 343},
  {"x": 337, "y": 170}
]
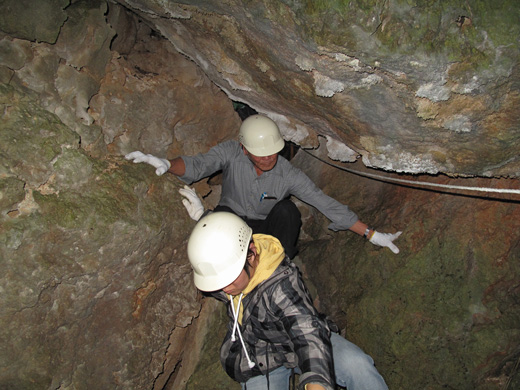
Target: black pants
[{"x": 283, "y": 222}]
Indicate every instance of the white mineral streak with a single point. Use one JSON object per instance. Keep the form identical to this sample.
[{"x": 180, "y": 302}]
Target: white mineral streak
[
  {"x": 339, "y": 151},
  {"x": 434, "y": 92},
  {"x": 458, "y": 123},
  {"x": 325, "y": 86},
  {"x": 291, "y": 132},
  {"x": 304, "y": 63},
  {"x": 402, "y": 162}
]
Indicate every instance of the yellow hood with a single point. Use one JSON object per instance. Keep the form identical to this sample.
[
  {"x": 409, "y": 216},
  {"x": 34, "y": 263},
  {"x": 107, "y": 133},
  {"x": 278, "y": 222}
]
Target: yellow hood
[{"x": 270, "y": 255}]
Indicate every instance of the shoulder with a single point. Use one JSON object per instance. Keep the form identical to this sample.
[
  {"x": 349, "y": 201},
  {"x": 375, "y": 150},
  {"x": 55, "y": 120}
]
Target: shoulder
[
  {"x": 225, "y": 151},
  {"x": 289, "y": 296},
  {"x": 233, "y": 148},
  {"x": 284, "y": 281},
  {"x": 292, "y": 175},
  {"x": 230, "y": 145}
]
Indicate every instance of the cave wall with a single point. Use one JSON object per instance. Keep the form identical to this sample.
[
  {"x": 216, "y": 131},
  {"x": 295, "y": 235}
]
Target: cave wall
[
  {"x": 96, "y": 288},
  {"x": 443, "y": 313}
]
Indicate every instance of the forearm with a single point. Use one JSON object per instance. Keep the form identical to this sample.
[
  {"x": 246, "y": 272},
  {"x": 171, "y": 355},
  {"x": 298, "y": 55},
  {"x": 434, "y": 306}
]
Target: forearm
[
  {"x": 178, "y": 167},
  {"x": 361, "y": 228}
]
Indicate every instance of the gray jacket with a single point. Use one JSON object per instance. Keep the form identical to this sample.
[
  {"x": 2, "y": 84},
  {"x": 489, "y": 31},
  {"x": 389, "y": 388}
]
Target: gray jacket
[{"x": 253, "y": 196}]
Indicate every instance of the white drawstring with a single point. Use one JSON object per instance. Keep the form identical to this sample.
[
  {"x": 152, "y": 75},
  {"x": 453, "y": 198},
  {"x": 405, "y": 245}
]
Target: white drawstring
[
  {"x": 235, "y": 315},
  {"x": 237, "y": 329}
]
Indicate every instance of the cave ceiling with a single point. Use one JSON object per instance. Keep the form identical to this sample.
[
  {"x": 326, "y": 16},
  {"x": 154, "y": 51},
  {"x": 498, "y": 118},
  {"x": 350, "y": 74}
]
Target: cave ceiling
[{"x": 425, "y": 88}]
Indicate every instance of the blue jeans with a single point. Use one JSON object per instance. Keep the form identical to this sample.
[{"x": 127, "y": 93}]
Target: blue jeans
[{"x": 354, "y": 370}]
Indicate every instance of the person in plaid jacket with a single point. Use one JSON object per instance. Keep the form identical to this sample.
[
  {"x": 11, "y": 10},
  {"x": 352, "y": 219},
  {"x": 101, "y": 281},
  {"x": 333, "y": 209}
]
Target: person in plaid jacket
[{"x": 274, "y": 329}]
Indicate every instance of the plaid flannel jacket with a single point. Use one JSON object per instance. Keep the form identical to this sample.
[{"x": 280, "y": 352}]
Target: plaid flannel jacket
[{"x": 280, "y": 326}]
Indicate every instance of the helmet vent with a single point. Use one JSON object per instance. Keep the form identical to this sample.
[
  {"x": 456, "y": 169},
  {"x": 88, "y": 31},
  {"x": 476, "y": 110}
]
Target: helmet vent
[{"x": 241, "y": 238}]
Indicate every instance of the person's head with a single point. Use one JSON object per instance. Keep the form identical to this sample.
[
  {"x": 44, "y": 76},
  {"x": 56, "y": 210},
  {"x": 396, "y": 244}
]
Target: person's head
[
  {"x": 242, "y": 280},
  {"x": 261, "y": 141},
  {"x": 218, "y": 250}
]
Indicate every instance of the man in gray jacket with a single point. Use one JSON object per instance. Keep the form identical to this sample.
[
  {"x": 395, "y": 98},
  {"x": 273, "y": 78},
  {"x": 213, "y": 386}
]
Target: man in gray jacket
[
  {"x": 257, "y": 184},
  {"x": 274, "y": 329}
]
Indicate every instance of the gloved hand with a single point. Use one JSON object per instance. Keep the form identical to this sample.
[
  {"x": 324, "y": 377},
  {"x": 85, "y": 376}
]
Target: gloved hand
[
  {"x": 385, "y": 239},
  {"x": 161, "y": 164},
  {"x": 192, "y": 203}
]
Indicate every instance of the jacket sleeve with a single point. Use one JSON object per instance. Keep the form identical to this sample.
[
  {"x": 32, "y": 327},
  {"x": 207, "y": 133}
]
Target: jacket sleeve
[
  {"x": 205, "y": 164},
  {"x": 308, "y": 332},
  {"x": 340, "y": 215}
]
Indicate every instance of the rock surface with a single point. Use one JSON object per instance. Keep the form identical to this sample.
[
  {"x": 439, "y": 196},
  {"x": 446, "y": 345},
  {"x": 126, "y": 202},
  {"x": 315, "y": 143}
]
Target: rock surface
[
  {"x": 420, "y": 88},
  {"x": 96, "y": 289},
  {"x": 450, "y": 296}
]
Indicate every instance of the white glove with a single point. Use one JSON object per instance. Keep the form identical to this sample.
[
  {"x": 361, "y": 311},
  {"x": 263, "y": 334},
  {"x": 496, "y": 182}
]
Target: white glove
[
  {"x": 161, "y": 164},
  {"x": 385, "y": 239},
  {"x": 192, "y": 203}
]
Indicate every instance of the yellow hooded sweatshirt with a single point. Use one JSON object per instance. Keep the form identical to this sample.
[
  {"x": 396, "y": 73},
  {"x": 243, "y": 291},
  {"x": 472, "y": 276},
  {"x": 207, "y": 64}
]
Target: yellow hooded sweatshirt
[{"x": 270, "y": 255}]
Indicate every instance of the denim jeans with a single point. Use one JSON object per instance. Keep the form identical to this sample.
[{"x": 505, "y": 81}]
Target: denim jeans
[{"x": 354, "y": 370}]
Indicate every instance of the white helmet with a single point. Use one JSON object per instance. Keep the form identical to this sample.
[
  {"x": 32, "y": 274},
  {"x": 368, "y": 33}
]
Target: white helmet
[
  {"x": 260, "y": 136},
  {"x": 217, "y": 249}
]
